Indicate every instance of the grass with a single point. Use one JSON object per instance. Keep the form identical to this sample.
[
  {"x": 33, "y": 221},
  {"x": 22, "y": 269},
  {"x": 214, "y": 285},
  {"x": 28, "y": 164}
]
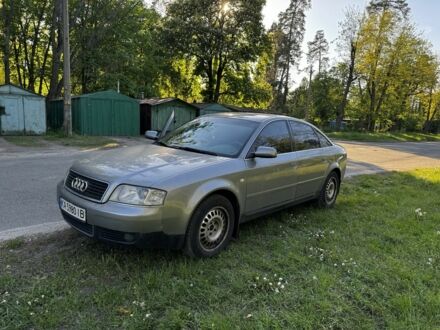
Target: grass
[
  {"x": 371, "y": 262},
  {"x": 59, "y": 138},
  {"x": 384, "y": 137},
  {"x": 25, "y": 141},
  {"x": 83, "y": 141}
]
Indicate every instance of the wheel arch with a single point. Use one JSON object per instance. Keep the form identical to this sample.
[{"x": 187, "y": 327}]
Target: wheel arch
[
  {"x": 231, "y": 196},
  {"x": 337, "y": 170}
]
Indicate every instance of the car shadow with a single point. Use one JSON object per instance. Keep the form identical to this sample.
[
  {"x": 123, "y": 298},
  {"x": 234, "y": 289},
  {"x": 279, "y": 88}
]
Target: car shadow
[{"x": 358, "y": 167}]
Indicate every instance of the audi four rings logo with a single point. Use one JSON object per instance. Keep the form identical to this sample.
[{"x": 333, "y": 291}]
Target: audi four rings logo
[{"x": 79, "y": 184}]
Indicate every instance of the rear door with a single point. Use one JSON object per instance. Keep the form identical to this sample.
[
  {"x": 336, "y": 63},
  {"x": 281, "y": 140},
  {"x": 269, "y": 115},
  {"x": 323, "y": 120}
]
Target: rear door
[
  {"x": 310, "y": 163},
  {"x": 270, "y": 181}
]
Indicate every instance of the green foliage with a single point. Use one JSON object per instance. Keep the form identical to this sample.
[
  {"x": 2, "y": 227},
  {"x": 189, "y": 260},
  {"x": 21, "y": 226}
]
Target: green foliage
[
  {"x": 114, "y": 41},
  {"x": 222, "y": 37},
  {"x": 287, "y": 36},
  {"x": 326, "y": 91},
  {"x": 386, "y": 77},
  {"x": 250, "y": 86},
  {"x": 178, "y": 80}
]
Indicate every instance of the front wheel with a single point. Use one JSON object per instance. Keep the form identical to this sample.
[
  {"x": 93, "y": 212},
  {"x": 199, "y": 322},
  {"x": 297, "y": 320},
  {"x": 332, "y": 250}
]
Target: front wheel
[
  {"x": 329, "y": 192},
  {"x": 211, "y": 226}
]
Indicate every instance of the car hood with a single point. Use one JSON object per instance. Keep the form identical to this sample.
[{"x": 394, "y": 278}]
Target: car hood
[{"x": 144, "y": 164}]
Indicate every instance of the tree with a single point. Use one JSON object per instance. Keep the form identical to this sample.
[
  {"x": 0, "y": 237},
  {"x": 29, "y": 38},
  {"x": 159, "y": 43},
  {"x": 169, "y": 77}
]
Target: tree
[
  {"x": 56, "y": 46},
  {"x": 30, "y": 43},
  {"x": 178, "y": 80},
  {"x": 113, "y": 40},
  {"x": 318, "y": 50},
  {"x": 7, "y": 14},
  {"x": 377, "y": 59},
  {"x": 348, "y": 46},
  {"x": 220, "y": 35},
  {"x": 249, "y": 85},
  {"x": 380, "y": 6},
  {"x": 290, "y": 34},
  {"x": 327, "y": 90}
]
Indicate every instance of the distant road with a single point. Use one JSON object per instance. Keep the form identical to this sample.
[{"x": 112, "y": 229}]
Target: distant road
[{"x": 374, "y": 157}]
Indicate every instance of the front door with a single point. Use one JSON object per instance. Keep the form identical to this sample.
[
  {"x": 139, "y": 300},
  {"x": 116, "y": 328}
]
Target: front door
[{"x": 270, "y": 181}]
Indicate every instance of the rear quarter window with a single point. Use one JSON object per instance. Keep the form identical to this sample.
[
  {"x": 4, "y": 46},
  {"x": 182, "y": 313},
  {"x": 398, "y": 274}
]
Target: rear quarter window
[{"x": 324, "y": 141}]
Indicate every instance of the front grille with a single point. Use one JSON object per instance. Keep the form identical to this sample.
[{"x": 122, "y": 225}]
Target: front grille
[
  {"x": 79, "y": 225},
  {"x": 95, "y": 189}
]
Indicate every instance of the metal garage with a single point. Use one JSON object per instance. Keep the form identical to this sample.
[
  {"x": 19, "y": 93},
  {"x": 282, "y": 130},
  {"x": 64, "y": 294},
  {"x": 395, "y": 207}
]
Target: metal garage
[
  {"x": 21, "y": 111},
  {"x": 210, "y": 108},
  {"x": 102, "y": 113},
  {"x": 154, "y": 113}
]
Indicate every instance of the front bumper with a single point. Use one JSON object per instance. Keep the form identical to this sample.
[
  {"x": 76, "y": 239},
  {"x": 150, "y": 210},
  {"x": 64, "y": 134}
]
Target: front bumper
[{"x": 120, "y": 223}]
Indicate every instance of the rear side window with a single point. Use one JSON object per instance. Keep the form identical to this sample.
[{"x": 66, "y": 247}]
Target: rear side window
[
  {"x": 274, "y": 135},
  {"x": 323, "y": 140},
  {"x": 304, "y": 136}
]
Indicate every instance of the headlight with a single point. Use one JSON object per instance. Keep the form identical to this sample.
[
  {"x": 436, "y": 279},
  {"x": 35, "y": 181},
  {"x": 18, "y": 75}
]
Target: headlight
[{"x": 138, "y": 195}]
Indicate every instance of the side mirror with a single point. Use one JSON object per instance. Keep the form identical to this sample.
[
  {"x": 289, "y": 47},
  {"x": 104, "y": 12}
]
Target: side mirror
[
  {"x": 152, "y": 135},
  {"x": 265, "y": 152}
]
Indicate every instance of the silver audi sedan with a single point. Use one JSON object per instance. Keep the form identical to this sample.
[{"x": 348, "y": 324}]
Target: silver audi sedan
[{"x": 191, "y": 188}]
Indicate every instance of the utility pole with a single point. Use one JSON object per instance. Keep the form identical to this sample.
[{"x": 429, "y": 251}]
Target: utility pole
[{"x": 66, "y": 71}]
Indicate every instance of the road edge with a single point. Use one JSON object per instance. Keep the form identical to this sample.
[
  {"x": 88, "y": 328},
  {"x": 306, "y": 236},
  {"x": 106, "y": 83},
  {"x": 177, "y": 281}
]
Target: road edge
[{"x": 44, "y": 228}]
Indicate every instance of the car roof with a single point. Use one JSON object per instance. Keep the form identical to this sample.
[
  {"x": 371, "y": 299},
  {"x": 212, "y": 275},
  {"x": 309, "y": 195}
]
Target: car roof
[{"x": 251, "y": 116}]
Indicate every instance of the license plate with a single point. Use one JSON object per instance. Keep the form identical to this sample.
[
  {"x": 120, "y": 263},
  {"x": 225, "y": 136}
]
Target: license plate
[{"x": 73, "y": 210}]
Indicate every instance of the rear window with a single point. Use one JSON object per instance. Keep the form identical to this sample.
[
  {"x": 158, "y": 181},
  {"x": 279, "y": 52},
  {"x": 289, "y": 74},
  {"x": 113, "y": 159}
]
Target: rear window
[
  {"x": 276, "y": 135},
  {"x": 304, "y": 136}
]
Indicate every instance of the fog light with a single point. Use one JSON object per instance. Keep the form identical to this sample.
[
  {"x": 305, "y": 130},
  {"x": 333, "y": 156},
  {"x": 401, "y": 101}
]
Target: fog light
[{"x": 129, "y": 237}]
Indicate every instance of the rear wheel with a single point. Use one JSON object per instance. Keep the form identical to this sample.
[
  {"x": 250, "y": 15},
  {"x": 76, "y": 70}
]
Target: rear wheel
[
  {"x": 329, "y": 192},
  {"x": 211, "y": 226}
]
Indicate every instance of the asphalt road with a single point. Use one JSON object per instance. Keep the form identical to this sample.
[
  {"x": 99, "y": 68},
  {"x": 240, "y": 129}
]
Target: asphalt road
[
  {"x": 28, "y": 177},
  {"x": 369, "y": 158},
  {"x": 27, "y": 187}
]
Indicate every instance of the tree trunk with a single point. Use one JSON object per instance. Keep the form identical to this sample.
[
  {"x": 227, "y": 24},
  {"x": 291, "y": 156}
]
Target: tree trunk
[
  {"x": 8, "y": 14},
  {"x": 210, "y": 74},
  {"x": 371, "y": 119},
  {"x": 309, "y": 94},
  {"x": 57, "y": 47},
  {"x": 17, "y": 63},
  {"x": 349, "y": 81},
  {"x": 285, "y": 87},
  {"x": 218, "y": 80}
]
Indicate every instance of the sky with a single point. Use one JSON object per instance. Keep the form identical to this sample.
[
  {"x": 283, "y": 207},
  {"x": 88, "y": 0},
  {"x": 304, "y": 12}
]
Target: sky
[{"x": 325, "y": 15}]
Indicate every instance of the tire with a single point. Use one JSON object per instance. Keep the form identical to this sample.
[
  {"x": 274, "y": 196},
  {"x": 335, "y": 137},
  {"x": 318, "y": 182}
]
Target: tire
[
  {"x": 210, "y": 228},
  {"x": 329, "y": 192}
]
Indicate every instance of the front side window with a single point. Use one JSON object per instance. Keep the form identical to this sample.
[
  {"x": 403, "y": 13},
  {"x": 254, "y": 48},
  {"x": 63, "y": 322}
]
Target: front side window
[
  {"x": 304, "y": 136},
  {"x": 276, "y": 135}
]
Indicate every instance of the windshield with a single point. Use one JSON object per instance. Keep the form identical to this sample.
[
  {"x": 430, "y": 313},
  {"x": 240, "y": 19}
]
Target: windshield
[{"x": 212, "y": 135}]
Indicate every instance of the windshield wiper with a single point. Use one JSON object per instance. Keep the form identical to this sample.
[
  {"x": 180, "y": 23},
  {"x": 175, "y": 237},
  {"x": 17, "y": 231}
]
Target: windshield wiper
[{"x": 193, "y": 150}]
